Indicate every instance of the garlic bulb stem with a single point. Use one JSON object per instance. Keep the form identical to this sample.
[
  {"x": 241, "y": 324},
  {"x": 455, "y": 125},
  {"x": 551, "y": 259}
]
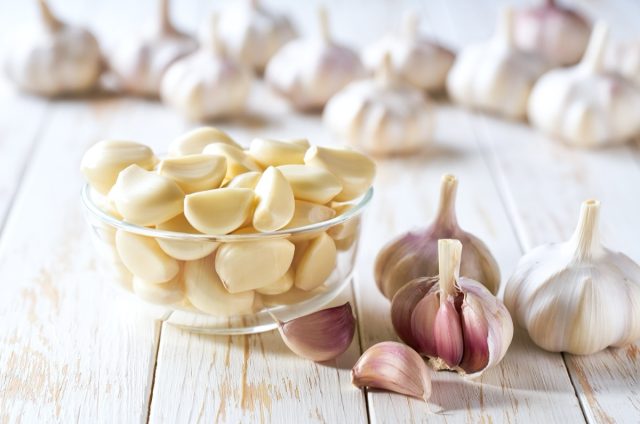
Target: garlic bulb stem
[
  {"x": 48, "y": 18},
  {"x": 446, "y": 217},
  {"x": 323, "y": 20},
  {"x": 586, "y": 238},
  {"x": 504, "y": 31},
  {"x": 164, "y": 19},
  {"x": 449, "y": 255},
  {"x": 410, "y": 25},
  {"x": 593, "y": 59},
  {"x": 211, "y": 37}
]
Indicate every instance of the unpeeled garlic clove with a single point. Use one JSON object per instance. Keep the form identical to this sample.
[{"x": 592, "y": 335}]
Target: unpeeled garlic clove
[
  {"x": 168, "y": 293},
  {"x": 322, "y": 335},
  {"x": 414, "y": 254},
  {"x": 238, "y": 162},
  {"x": 276, "y": 204},
  {"x": 354, "y": 170},
  {"x": 316, "y": 262},
  {"x": 180, "y": 249},
  {"x": 247, "y": 180},
  {"x": 394, "y": 367},
  {"x": 146, "y": 198},
  {"x": 404, "y": 303},
  {"x": 218, "y": 211},
  {"x": 282, "y": 285},
  {"x": 194, "y": 141},
  {"x": 310, "y": 183},
  {"x": 144, "y": 258},
  {"x": 274, "y": 152},
  {"x": 250, "y": 265},
  {"x": 102, "y": 163},
  {"x": 195, "y": 172}
]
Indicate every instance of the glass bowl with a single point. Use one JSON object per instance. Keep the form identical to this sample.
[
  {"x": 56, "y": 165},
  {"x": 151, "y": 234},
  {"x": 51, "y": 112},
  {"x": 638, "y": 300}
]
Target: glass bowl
[{"x": 173, "y": 301}]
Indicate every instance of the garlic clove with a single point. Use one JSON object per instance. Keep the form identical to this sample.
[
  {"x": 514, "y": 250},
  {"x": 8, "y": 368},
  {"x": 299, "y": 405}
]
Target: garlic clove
[
  {"x": 311, "y": 183},
  {"x": 247, "y": 180},
  {"x": 395, "y": 367},
  {"x": 476, "y": 333},
  {"x": 347, "y": 229},
  {"x": 146, "y": 198},
  {"x": 205, "y": 291},
  {"x": 282, "y": 285},
  {"x": 322, "y": 335},
  {"x": 276, "y": 204},
  {"x": 194, "y": 141},
  {"x": 180, "y": 249},
  {"x": 307, "y": 213},
  {"x": 416, "y": 321},
  {"x": 218, "y": 211},
  {"x": 447, "y": 334},
  {"x": 354, "y": 170},
  {"x": 274, "y": 152},
  {"x": 168, "y": 293},
  {"x": 238, "y": 162},
  {"x": 316, "y": 263},
  {"x": 195, "y": 172},
  {"x": 269, "y": 259},
  {"x": 102, "y": 163},
  {"x": 143, "y": 258}
]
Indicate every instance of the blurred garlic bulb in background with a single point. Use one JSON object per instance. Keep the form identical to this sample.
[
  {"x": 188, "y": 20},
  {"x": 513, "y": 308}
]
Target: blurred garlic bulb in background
[
  {"x": 57, "y": 59},
  {"x": 578, "y": 296},
  {"x": 140, "y": 63},
  {"x": 207, "y": 84},
  {"x": 415, "y": 59},
  {"x": 251, "y": 33},
  {"x": 624, "y": 58},
  {"x": 557, "y": 34},
  {"x": 494, "y": 75},
  {"x": 382, "y": 115},
  {"x": 309, "y": 71},
  {"x": 584, "y": 105}
]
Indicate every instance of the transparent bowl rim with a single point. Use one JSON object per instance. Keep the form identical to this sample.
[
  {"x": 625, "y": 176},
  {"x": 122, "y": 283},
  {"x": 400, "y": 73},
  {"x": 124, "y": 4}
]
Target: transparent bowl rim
[{"x": 105, "y": 218}]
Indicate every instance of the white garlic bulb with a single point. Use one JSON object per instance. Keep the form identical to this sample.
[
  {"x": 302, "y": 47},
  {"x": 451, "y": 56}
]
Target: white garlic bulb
[
  {"x": 309, "y": 71},
  {"x": 557, "y": 34},
  {"x": 140, "y": 63},
  {"x": 207, "y": 84},
  {"x": 584, "y": 105},
  {"x": 495, "y": 76},
  {"x": 57, "y": 59},
  {"x": 578, "y": 296},
  {"x": 415, "y": 59},
  {"x": 381, "y": 116},
  {"x": 252, "y": 33}
]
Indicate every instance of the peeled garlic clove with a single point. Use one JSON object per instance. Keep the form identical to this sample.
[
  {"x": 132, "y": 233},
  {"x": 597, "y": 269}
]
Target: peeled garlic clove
[
  {"x": 238, "y": 162},
  {"x": 275, "y": 201},
  {"x": 402, "y": 307},
  {"x": 205, "y": 290},
  {"x": 274, "y": 152},
  {"x": 347, "y": 229},
  {"x": 395, "y": 367},
  {"x": 307, "y": 213},
  {"x": 196, "y": 140},
  {"x": 354, "y": 170},
  {"x": 139, "y": 63},
  {"x": 146, "y": 198},
  {"x": 247, "y": 180},
  {"x": 218, "y": 211},
  {"x": 250, "y": 265},
  {"x": 282, "y": 285},
  {"x": 168, "y": 293},
  {"x": 316, "y": 263},
  {"x": 144, "y": 258},
  {"x": 414, "y": 254},
  {"x": 311, "y": 183},
  {"x": 320, "y": 336},
  {"x": 180, "y": 249},
  {"x": 102, "y": 163},
  {"x": 578, "y": 296},
  {"x": 195, "y": 172}
]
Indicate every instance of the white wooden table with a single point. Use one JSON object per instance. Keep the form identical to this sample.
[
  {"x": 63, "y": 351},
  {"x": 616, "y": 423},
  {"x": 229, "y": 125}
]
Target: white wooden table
[{"x": 73, "y": 351}]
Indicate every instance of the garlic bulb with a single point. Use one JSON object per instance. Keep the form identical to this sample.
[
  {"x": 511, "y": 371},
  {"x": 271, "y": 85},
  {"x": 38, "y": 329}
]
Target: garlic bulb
[
  {"x": 309, "y": 71},
  {"x": 495, "y": 76},
  {"x": 382, "y": 115},
  {"x": 207, "y": 84},
  {"x": 585, "y": 105},
  {"x": 455, "y": 321},
  {"x": 624, "y": 58},
  {"x": 57, "y": 59},
  {"x": 578, "y": 296},
  {"x": 252, "y": 33},
  {"x": 415, "y": 59},
  {"x": 140, "y": 63},
  {"x": 415, "y": 254},
  {"x": 557, "y": 34}
]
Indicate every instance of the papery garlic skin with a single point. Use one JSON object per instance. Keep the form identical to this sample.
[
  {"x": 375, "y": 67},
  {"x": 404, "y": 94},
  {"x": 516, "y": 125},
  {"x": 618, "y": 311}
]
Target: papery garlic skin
[
  {"x": 415, "y": 254},
  {"x": 557, "y": 34},
  {"x": 252, "y": 34},
  {"x": 309, "y": 71},
  {"x": 381, "y": 116},
  {"x": 495, "y": 76},
  {"x": 416, "y": 60},
  {"x": 578, "y": 296},
  {"x": 141, "y": 63},
  {"x": 584, "y": 105},
  {"x": 57, "y": 59}
]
